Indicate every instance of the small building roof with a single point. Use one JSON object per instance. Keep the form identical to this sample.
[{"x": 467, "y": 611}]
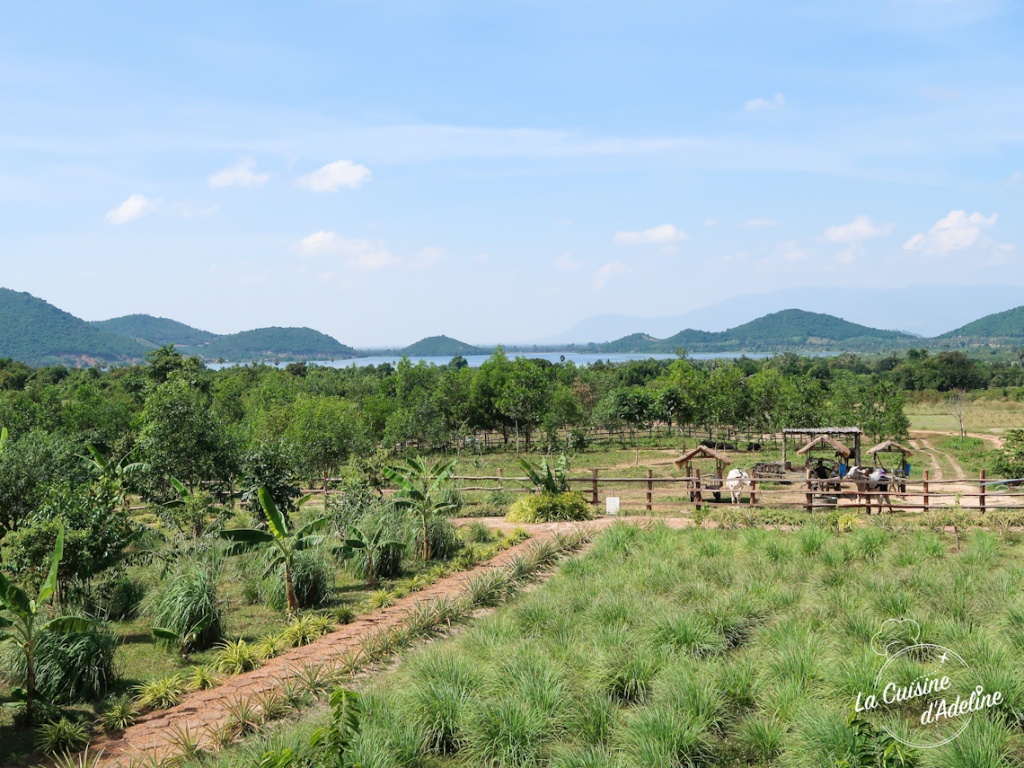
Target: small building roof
[
  {"x": 701, "y": 452},
  {"x": 823, "y": 431},
  {"x": 824, "y": 441},
  {"x": 891, "y": 446}
]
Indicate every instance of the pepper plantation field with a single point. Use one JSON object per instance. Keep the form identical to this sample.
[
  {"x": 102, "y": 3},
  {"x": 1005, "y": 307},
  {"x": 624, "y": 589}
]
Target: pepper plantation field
[{"x": 694, "y": 647}]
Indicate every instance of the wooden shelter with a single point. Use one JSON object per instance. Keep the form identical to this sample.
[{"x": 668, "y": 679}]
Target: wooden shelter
[
  {"x": 812, "y": 432},
  {"x": 713, "y": 482},
  {"x": 891, "y": 446},
  {"x": 827, "y": 443}
]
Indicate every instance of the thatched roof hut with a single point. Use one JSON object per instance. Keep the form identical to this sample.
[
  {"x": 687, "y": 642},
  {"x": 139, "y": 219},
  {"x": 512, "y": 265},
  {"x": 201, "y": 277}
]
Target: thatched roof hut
[
  {"x": 701, "y": 452},
  {"x": 827, "y": 443},
  {"x": 890, "y": 446}
]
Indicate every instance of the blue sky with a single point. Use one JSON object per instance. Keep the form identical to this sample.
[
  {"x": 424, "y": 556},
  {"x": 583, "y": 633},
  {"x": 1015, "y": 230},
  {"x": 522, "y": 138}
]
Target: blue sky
[{"x": 498, "y": 171}]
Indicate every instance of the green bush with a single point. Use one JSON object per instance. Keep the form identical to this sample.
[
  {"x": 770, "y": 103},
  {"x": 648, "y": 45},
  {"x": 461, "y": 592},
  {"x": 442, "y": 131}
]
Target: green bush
[
  {"x": 118, "y": 598},
  {"x": 188, "y": 600},
  {"x": 312, "y": 578},
  {"x": 62, "y": 736},
  {"x": 70, "y": 668},
  {"x": 548, "y": 508},
  {"x": 444, "y": 539}
]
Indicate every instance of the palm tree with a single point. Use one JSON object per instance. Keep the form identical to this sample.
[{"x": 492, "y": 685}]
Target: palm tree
[
  {"x": 284, "y": 542},
  {"x": 418, "y": 490},
  {"x": 24, "y": 630}
]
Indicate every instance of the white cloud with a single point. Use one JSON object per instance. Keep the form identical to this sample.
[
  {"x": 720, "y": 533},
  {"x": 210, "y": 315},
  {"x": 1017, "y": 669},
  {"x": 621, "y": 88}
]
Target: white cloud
[
  {"x": 426, "y": 258},
  {"x": 665, "y": 233},
  {"x": 334, "y": 176},
  {"x": 566, "y": 262},
  {"x": 608, "y": 271},
  {"x": 1013, "y": 180},
  {"x": 953, "y": 233},
  {"x": 759, "y": 103},
  {"x": 861, "y": 228},
  {"x": 239, "y": 175},
  {"x": 850, "y": 253},
  {"x": 754, "y": 223},
  {"x": 710, "y": 222},
  {"x": 360, "y": 254},
  {"x": 131, "y": 209},
  {"x": 791, "y": 251}
]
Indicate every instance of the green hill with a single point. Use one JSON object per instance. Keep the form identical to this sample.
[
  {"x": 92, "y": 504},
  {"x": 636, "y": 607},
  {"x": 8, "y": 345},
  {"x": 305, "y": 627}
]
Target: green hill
[
  {"x": 280, "y": 343},
  {"x": 38, "y": 333},
  {"x": 441, "y": 346},
  {"x": 155, "y": 331},
  {"x": 1003, "y": 325},
  {"x": 788, "y": 329}
]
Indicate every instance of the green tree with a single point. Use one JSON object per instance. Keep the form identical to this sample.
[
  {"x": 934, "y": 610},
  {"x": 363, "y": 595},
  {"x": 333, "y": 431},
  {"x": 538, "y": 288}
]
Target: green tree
[
  {"x": 523, "y": 397},
  {"x": 371, "y": 536},
  {"x": 322, "y": 434},
  {"x": 419, "y": 490},
  {"x": 180, "y": 437},
  {"x": 283, "y": 541},
  {"x": 24, "y": 628}
]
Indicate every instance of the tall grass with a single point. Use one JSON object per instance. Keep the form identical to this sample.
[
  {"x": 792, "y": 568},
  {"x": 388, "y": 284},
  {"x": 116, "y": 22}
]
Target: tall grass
[{"x": 698, "y": 648}]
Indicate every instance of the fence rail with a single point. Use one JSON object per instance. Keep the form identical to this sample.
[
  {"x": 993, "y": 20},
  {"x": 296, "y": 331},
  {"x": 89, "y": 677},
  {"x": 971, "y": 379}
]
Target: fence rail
[{"x": 980, "y": 494}]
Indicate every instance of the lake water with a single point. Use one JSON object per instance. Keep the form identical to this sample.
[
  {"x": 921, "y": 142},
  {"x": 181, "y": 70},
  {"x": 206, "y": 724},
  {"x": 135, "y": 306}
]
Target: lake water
[{"x": 475, "y": 361}]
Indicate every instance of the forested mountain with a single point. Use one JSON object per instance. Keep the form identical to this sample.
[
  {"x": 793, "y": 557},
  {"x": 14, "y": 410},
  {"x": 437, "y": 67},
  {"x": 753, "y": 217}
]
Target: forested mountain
[
  {"x": 441, "y": 346},
  {"x": 1001, "y": 325},
  {"x": 36, "y": 332},
  {"x": 155, "y": 331},
  {"x": 788, "y": 329},
  {"x": 264, "y": 343}
]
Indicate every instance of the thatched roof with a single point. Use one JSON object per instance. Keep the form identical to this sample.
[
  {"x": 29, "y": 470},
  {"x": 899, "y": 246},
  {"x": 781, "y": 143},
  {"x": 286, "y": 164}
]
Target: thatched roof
[
  {"x": 701, "y": 452},
  {"x": 824, "y": 441},
  {"x": 823, "y": 431},
  {"x": 891, "y": 446}
]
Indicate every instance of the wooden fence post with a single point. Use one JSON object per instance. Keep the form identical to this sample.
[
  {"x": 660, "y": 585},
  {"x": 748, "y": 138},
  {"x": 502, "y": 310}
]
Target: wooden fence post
[
  {"x": 753, "y": 492},
  {"x": 924, "y": 494},
  {"x": 809, "y": 502},
  {"x": 697, "y": 499},
  {"x": 981, "y": 492},
  {"x": 650, "y": 490},
  {"x": 501, "y": 474},
  {"x": 593, "y": 499}
]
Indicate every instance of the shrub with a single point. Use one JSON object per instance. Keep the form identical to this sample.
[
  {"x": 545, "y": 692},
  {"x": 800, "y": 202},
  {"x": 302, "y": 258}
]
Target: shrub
[
  {"x": 62, "y": 737},
  {"x": 444, "y": 539},
  {"x": 188, "y": 600},
  {"x": 161, "y": 693},
  {"x": 312, "y": 578},
  {"x": 70, "y": 668},
  {"x": 476, "y": 533},
  {"x": 548, "y": 508},
  {"x": 236, "y": 657},
  {"x": 119, "y": 715}
]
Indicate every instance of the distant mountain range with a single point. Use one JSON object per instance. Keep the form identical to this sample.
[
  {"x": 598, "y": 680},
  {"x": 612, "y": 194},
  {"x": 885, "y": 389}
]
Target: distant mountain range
[{"x": 38, "y": 333}]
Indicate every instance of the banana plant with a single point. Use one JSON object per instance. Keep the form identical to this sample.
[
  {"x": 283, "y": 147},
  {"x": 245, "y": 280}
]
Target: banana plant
[
  {"x": 371, "y": 539},
  {"x": 186, "y": 640},
  {"x": 283, "y": 541},
  {"x": 25, "y": 627},
  {"x": 548, "y": 479},
  {"x": 3, "y": 440},
  {"x": 110, "y": 476},
  {"x": 418, "y": 490}
]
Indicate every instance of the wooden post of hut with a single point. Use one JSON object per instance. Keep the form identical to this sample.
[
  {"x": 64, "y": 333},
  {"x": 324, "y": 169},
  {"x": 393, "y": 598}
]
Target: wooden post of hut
[
  {"x": 981, "y": 492},
  {"x": 685, "y": 462}
]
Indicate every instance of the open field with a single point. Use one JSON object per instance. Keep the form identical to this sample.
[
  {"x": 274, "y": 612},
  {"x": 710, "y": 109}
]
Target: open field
[
  {"x": 662, "y": 647},
  {"x": 985, "y": 416}
]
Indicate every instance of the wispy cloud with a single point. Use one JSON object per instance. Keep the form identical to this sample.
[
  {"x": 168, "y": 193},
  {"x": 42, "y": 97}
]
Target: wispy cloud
[
  {"x": 241, "y": 174},
  {"x": 861, "y": 228},
  {"x": 135, "y": 207},
  {"x": 566, "y": 262},
  {"x": 755, "y": 105},
  {"x": 607, "y": 272},
  {"x": 1013, "y": 180},
  {"x": 334, "y": 176},
  {"x": 954, "y": 232},
  {"x": 665, "y": 233},
  {"x": 426, "y": 258},
  {"x": 359, "y": 254}
]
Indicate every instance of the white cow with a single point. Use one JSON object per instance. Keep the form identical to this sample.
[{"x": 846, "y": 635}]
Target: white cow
[
  {"x": 871, "y": 482},
  {"x": 737, "y": 481}
]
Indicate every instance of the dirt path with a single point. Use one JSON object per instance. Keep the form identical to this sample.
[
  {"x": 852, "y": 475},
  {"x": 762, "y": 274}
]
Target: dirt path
[{"x": 203, "y": 712}]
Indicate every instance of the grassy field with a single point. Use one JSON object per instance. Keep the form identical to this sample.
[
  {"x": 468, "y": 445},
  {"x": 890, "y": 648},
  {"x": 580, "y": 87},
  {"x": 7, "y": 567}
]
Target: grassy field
[
  {"x": 664, "y": 648},
  {"x": 991, "y": 416}
]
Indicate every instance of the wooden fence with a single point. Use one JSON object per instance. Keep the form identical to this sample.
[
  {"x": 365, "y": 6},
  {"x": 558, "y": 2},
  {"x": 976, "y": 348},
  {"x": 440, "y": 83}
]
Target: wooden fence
[{"x": 648, "y": 493}]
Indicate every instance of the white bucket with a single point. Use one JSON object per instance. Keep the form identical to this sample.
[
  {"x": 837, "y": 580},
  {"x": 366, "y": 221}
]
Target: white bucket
[{"x": 612, "y": 505}]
